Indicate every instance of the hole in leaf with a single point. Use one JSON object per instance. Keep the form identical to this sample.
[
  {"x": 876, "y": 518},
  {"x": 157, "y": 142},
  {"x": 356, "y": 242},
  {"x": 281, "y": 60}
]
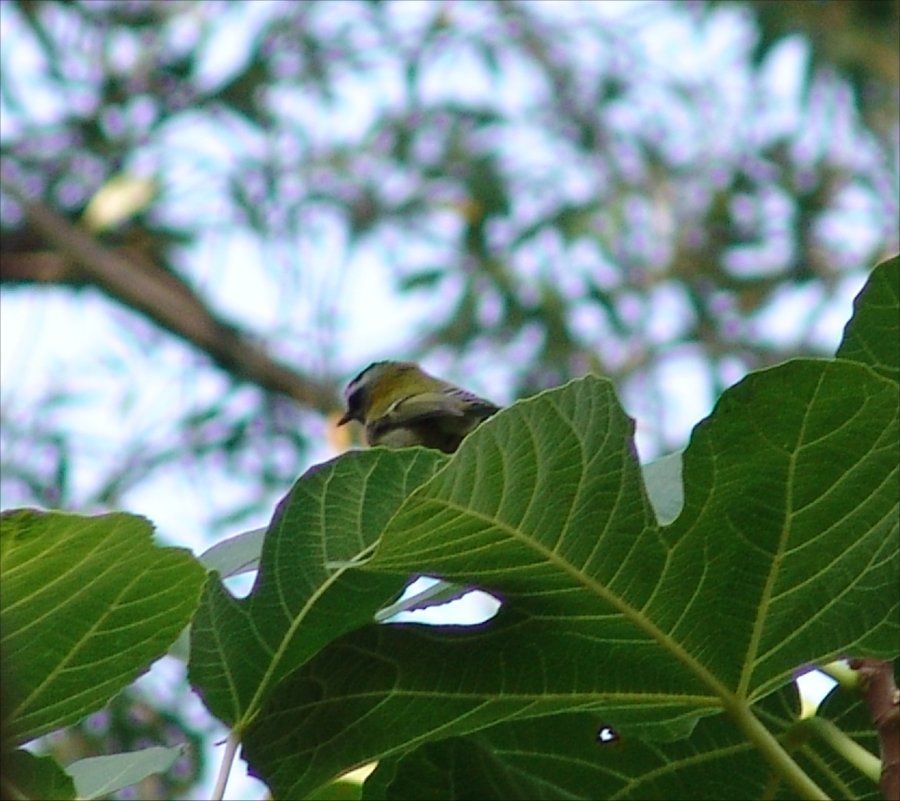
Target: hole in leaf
[
  {"x": 432, "y": 602},
  {"x": 607, "y": 735},
  {"x": 240, "y": 586}
]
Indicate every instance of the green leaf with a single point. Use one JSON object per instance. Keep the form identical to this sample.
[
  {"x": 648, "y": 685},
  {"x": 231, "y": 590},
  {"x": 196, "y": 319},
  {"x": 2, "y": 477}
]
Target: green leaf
[
  {"x": 86, "y": 605},
  {"x": 339, "y": 790},
  {"x": 662, "y": 479},
  {"x": 873, "y": 334},
  {"x": 25, "y": 775},
  {"x": 792, "y": 497},
  {"x": 383, "y": 689},
  {"x": 790, "y": 484},
  {"x": 435, "y": 770},
  {"x": 564, "y": 758},
  {"x": 306, "y": 592},
  {"x": 96, "y": 777},
  {"x": 785, "y": 553}
]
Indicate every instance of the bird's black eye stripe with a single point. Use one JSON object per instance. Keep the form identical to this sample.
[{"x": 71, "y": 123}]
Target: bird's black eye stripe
[{"x": 355, "y": 403}]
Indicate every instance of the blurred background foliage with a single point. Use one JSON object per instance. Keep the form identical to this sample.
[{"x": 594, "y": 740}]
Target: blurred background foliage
[
  {"x": 132, "y": 721},
  {"x": 259, "y": 198}
]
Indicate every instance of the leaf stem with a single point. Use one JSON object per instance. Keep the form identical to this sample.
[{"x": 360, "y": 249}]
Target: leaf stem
[
  {"x": 774, "y": 752},
  {"x": 842, "y": 673},
  {"x": 865, "y": 762},
  {"x": 231, "y": 746}
]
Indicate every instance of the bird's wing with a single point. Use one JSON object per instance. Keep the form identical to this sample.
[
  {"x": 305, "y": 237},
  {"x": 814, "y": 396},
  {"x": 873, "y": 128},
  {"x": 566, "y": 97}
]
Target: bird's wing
[
  {"x": 427, "y": 405},
  {"x": 469, "y": 398}
]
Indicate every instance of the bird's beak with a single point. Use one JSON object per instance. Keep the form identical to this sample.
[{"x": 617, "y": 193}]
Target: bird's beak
[{"x": 345, "y": 419}]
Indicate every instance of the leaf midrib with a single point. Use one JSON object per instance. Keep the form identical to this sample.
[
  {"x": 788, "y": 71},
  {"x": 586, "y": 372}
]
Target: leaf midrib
[
  {"x": 633, "y": 615},
  {"x": 262, "y": 687}
]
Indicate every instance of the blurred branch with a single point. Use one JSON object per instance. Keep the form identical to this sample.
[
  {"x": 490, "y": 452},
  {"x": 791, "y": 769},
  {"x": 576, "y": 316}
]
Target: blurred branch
[
  {"x": 137, "y": 282},
  {"x": 38, "y": 267}
]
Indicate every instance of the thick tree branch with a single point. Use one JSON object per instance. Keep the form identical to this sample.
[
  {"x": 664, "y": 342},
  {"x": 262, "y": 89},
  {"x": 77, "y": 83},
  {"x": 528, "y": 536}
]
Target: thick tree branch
[
  {"x": 140, "y": 284},
  {"x": 38, "y": 267},
  {"x": 876, "y": 679}
]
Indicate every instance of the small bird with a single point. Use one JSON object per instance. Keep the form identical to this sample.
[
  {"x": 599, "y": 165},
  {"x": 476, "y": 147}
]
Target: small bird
[{"x": 401, "y": 405}]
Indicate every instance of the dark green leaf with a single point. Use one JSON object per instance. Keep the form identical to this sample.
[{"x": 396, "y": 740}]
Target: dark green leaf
[
  {"x": 28, "y": 776},
  {"x": 562, "y": 757},
  {"x": 784, "y": 554},
  {"x": 306, "y": 592},
  {"x": 873, "y": 334}
]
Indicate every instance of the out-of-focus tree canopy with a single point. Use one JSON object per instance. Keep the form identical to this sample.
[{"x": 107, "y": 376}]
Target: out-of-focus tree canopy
[{"x": 638, "y": 189}]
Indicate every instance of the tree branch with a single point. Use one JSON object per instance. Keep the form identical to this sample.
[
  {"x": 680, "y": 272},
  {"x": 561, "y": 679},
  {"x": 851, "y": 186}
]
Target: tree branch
[
  {"x": 39, "y": 267},
  {"x": 876, "y": 679},
  {"x": 137, "y": 282}
]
